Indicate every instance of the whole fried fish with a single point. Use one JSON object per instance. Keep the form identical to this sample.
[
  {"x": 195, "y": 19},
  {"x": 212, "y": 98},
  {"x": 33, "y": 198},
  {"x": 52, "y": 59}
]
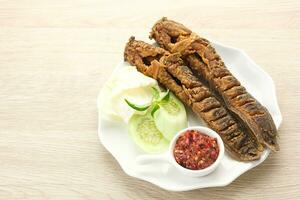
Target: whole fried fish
[{"x": 202, "y": 58}]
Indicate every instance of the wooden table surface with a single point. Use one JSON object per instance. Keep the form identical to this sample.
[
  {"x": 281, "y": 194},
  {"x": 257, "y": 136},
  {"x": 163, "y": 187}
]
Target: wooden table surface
[{"x": 54, "y": 57}]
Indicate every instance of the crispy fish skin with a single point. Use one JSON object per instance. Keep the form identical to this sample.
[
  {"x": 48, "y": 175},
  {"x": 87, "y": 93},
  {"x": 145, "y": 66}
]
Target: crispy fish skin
[
  {"x": 169, "y": 70},
  {"x": 203, "y": 59}
]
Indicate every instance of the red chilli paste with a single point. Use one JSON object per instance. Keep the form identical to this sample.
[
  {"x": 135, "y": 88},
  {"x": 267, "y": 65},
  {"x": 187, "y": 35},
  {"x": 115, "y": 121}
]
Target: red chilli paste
[{"x": 195, "y": 150}]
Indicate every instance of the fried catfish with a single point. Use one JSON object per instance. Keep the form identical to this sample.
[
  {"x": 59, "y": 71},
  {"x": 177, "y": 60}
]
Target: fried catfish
[{"x": 202, "y": 58}]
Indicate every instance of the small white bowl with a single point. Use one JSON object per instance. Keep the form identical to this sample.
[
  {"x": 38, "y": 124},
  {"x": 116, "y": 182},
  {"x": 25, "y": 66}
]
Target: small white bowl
[
  {"x": 169, "y": 155},
  {"x": 199, "y": 172}
]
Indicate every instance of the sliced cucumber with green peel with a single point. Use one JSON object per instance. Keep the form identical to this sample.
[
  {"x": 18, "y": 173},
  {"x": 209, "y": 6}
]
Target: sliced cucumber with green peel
[
  {"x": 143, "y": 130},
  {"x": 170, "y": 117},
  {"x": 161, "y": 120}
]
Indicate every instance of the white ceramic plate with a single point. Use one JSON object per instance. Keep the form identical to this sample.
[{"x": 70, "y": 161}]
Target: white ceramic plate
[{"x": 115, "y": 138}]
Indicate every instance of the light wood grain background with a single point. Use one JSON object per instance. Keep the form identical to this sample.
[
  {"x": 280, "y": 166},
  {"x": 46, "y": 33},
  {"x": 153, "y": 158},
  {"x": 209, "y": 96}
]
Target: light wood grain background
[{"x": 56, "y": 54}]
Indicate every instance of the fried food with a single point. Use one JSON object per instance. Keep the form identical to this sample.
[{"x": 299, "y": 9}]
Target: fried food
[
  {"x": 202, "y": 58},
  {"x": 170, "y": 71}
]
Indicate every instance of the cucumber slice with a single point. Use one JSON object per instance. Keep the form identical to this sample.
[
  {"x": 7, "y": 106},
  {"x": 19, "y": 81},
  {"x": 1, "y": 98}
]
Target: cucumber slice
[
  {"x": 145, "y": 134},
  {"x": 170, "y": 117}
]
